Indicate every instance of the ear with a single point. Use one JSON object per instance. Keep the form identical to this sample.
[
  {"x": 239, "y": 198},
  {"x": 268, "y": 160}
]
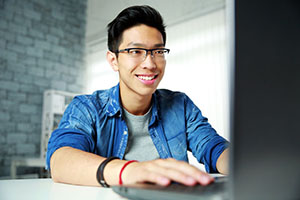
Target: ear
[{"x": 112, "y": 60}]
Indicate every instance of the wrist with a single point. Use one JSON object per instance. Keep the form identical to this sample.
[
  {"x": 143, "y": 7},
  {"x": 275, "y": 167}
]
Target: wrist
[
  {"x": 100, "y": 171},
  {"x": 125, "y": 171}
]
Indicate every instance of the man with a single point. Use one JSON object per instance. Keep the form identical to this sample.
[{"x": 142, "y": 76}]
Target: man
[{"x": 99, "y": 133}]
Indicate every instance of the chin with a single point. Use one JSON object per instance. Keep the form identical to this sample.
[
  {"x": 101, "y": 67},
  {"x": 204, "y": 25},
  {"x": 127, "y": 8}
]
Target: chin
[{"x": 146, "y": 91}]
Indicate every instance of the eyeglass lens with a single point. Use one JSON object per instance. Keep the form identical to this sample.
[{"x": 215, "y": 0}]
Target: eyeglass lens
[{"x": 141, "y": 54}]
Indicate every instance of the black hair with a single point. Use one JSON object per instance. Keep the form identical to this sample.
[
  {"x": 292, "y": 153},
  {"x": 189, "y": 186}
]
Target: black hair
[{"x": 132, "y": 16}]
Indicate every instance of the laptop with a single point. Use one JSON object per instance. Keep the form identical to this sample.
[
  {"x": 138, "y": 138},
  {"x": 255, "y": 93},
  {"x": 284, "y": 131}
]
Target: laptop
[{"x": 265, "y": 108}]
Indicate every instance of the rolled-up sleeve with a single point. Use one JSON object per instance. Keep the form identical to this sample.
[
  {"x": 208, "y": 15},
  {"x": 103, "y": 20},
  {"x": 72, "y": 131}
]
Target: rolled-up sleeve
[
  {"x": 204, "y": 142},
  {"x": 75, "y": 129}
]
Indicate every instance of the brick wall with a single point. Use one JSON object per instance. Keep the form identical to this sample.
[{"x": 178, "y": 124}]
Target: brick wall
[{"x": 41, "y": 47}]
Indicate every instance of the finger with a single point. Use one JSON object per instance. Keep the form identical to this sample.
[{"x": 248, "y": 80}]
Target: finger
[
  {"x": 170, "y": 173},
  {"x": 177, "y": 176},
  {"x": 201, "y": 177},
  {"x": 153, "y": 177}
]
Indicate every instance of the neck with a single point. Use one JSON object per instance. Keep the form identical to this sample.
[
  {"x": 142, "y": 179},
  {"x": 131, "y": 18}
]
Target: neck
[{"x": 135, "y": 103}]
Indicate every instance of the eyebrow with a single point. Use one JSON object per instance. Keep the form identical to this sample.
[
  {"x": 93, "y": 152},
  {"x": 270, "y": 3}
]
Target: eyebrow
[{"x": 142, "y": 45}]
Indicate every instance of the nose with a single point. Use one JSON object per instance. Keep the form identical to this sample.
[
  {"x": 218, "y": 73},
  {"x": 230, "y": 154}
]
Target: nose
[{"x": 149, "y": 61}]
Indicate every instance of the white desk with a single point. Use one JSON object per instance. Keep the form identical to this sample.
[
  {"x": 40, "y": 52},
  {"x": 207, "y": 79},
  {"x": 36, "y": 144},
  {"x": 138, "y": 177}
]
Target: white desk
[{"x": 46, "y": 189}]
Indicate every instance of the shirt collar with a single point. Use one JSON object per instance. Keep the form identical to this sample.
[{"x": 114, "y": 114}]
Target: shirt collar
[
  {"x": 114, "y": 107},
  {"x": 155, "y": 109}
]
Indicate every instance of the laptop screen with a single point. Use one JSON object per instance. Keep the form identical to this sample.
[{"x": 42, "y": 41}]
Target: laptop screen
[{"x": 266, "y": 99}]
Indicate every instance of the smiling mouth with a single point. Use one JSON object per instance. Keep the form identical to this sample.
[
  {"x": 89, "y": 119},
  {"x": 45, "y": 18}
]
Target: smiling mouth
[{"x": 147, "y": 78}]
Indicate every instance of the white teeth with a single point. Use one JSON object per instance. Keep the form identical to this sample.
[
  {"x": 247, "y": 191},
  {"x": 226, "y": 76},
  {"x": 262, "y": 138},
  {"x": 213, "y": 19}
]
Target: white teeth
[{"x": 146, "y": 78}]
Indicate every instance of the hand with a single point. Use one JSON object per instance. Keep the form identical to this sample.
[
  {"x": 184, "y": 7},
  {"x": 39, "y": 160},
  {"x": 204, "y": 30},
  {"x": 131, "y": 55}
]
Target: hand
[{"x": 163, "y": 171}]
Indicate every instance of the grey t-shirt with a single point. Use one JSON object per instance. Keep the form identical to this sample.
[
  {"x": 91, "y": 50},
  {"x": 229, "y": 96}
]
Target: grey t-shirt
[{"x": 140, "y": 146}]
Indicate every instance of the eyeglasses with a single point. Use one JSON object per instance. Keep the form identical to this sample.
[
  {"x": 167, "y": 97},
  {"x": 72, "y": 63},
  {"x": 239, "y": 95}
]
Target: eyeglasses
[{"x": 140, "y": 54}]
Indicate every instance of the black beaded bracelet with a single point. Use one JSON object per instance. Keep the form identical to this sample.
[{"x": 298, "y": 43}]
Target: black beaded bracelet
[{"x": 99, "y": 175}]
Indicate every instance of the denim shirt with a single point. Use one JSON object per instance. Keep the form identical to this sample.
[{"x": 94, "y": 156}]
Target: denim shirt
[{"x": 95, "y": 123}]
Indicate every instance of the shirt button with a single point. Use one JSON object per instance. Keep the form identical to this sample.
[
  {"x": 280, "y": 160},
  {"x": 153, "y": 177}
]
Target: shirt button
[{"x": 125, "y": 133}]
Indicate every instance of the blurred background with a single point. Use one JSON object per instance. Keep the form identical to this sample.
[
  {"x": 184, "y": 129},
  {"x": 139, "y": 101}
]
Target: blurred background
[{"x": 51, "y": 51}]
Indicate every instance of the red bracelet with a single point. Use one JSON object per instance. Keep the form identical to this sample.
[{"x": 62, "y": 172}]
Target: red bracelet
[{"x": 120, "y": 175}]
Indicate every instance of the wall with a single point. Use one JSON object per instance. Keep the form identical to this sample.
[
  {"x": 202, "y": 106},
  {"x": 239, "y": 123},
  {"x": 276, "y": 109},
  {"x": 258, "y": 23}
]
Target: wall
[{"x": 41, "y": 47}]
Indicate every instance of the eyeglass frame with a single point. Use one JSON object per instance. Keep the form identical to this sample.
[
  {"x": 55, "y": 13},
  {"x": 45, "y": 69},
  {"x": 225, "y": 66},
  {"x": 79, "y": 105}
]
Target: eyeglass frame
[{"x": 147, "y": 50}]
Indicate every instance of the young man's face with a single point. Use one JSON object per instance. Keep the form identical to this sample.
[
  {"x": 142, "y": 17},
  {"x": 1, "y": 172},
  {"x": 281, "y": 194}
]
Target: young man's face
[{"x": 140, "y": 77}]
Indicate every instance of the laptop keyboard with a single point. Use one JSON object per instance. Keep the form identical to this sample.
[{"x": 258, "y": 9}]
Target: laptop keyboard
[
  {"x": 218, "y": 185},
  {"x": 216, "y": 190}
]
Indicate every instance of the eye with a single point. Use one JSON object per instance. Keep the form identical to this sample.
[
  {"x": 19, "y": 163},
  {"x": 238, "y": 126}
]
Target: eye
[
  {"x": 160, "y": 51},
  {"x": 135, "y": 51}
]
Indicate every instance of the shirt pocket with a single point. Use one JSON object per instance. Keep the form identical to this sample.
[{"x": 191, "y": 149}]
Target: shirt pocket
[{"x": 178, "y": 146}]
